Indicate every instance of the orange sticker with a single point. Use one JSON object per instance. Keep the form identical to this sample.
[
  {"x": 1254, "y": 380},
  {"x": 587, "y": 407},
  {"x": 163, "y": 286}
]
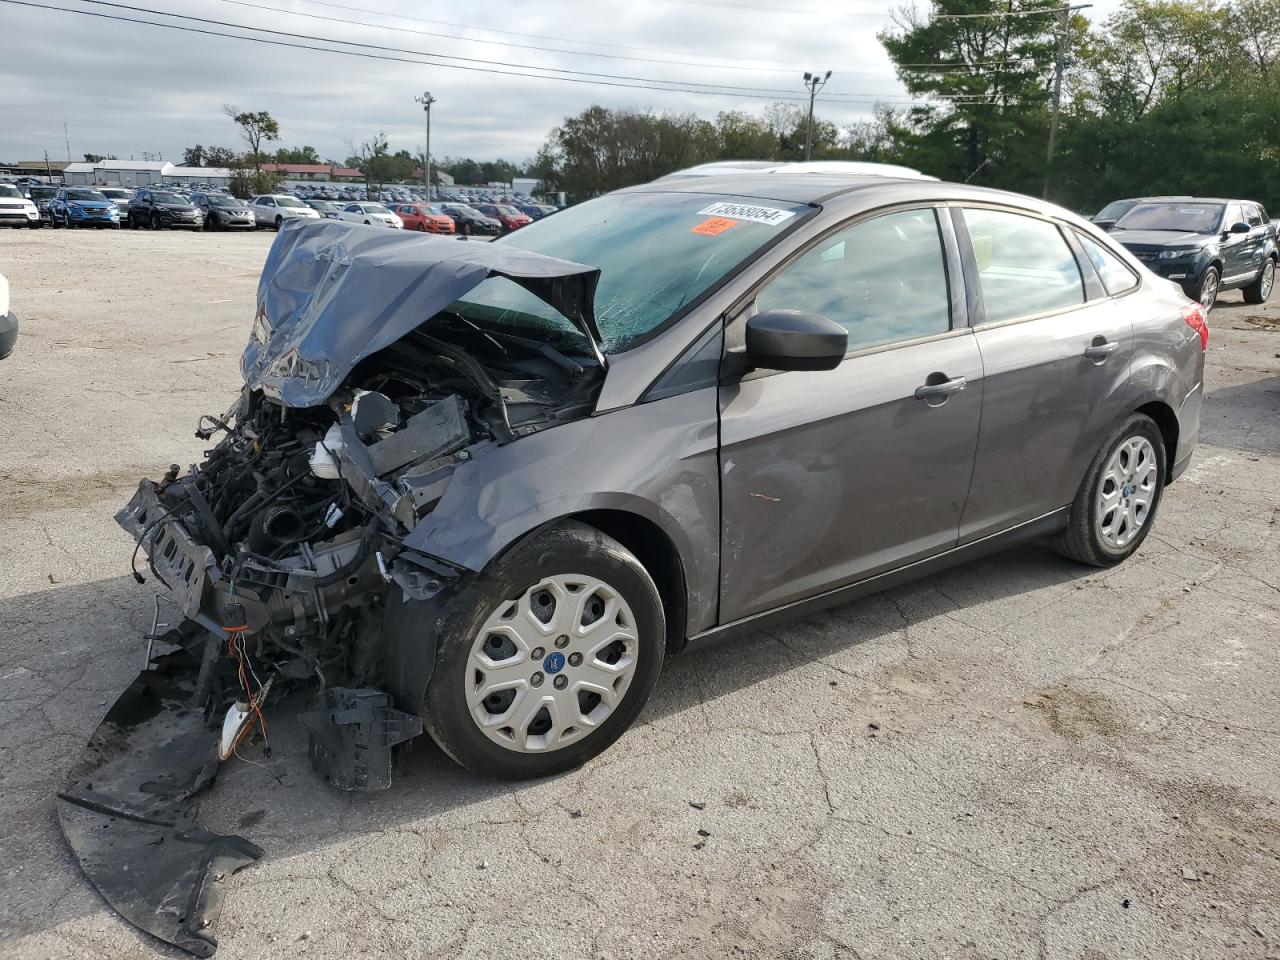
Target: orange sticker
[{"x": 713, "y": 226}]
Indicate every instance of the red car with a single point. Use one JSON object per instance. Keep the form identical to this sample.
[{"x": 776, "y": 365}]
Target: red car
[
  {"x": 508, "y": 216},
  {"x": 424, "y": 217}
]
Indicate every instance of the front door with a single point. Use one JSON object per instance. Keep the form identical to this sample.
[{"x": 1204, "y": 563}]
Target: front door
[{"x": 830, "y": 477}]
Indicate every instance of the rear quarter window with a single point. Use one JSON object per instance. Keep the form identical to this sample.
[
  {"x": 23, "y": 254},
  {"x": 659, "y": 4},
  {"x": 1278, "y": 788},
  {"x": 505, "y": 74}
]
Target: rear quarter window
[{"x": 1115, "y": 275}]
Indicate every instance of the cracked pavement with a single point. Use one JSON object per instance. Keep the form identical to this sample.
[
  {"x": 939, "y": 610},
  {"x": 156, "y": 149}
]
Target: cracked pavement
[{"x": 1018, "y": 758}]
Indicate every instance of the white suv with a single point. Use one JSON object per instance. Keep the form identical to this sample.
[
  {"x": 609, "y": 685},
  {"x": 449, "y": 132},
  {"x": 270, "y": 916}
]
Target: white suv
[
  {"x": 17, "y": 210},
  {"x": 273, "y": 209}
]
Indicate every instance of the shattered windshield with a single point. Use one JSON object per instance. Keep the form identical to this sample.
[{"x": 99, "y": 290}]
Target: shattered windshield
[
  {"x": 657, "y": 253},
  {"x": 1179, "y": 217}
]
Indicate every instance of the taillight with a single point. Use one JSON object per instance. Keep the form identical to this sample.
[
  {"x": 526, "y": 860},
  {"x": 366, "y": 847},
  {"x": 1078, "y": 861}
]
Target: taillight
[{"x": 1193, "y": 313}]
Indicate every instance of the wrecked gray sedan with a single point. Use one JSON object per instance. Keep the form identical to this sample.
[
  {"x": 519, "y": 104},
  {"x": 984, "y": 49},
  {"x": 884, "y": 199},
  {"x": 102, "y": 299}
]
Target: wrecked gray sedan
[{"x": 483, "y": 490}]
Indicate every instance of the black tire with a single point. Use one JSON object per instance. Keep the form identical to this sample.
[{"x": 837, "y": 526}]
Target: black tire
[
  {"x": 155, "y": 221},
  {"x": 1082, "y": 540},
  {"x": 1211, "y": 276},
  {"x": 421, "y": 227},
  {"x": 466, "y": 228},
  {"x": 566, "y": 548},
  {"x": 53, "y": 222},
  {"x": 1260, "y": 290},
  {"x": 279, "y": 222}
]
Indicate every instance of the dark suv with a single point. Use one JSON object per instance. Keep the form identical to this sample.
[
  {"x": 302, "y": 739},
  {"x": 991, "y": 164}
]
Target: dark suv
[
  {"x": 1204, "y": 245},
  {"x": 163, "y": 208}
]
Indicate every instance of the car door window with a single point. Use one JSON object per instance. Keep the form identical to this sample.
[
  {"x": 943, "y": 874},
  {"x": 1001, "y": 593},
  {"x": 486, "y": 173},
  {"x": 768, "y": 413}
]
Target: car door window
[
  {"x": 1115, "y": 276},
  {"x": 1253, "y": 216},
  {"x": 1234, "y": 216},
  {"x": 884, "y": 280},
  {"x": 1024, "y": 265}
]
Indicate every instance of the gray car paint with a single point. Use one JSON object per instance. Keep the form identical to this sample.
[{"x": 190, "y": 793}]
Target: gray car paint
[{"x": 658, "y": 460}]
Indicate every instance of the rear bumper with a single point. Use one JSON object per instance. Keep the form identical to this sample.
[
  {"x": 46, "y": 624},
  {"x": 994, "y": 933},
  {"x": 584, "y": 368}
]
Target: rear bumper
[{"x": 8, "y": 334}]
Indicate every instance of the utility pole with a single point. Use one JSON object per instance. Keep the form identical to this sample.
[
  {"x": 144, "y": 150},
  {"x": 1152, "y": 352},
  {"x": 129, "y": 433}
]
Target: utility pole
[
  {"x": 814, "y": 83},
  {"x": 67, "y": 137},
  {"x": 426, "y": 100},
  {"x": 1064, "y": 29}
]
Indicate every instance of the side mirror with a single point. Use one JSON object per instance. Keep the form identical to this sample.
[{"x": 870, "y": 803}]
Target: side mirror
[
  {"x": 795, "y": 340},
  {"x": 1239, "y": 228}
]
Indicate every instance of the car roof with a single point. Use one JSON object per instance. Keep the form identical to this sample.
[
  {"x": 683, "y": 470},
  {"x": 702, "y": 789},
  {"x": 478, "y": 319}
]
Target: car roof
[{"x": 819, "y": 188}]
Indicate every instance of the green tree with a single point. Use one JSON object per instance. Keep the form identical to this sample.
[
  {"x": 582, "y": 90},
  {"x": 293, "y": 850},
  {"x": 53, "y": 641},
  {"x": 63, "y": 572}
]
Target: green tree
[
  {"x": 256, "y": 128},
  {"x": 984, "y": 68}
]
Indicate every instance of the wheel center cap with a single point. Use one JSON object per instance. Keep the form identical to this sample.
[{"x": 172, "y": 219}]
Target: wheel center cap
[
  {"x": 1128, "y": 490},
  {"x": 554, "y": 662}
]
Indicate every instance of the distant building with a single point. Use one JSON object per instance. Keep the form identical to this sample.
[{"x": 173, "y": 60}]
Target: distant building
[
  {"x": 136, "y": 173},
  {"x": 312, "y": 171},
  {"x": 184, "y": 176},
  {"x": 438, "y": 176},
  {"x": 44, "y": 169}
]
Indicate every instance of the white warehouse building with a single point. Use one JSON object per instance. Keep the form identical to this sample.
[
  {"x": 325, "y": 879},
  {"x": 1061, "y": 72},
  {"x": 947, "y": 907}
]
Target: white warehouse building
[{"x": 136, "y": 173}]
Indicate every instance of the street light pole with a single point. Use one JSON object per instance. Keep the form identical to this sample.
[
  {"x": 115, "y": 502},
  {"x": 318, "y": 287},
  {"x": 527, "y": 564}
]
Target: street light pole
[
  {"x": 426, "y": 100},
  {"x": 814, "y": 83}
]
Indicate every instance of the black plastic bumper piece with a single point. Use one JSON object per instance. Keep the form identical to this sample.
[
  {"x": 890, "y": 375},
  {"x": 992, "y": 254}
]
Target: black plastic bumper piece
[
  {"x": 129, "y": 811},
  {"x": 352, "y": 735}
]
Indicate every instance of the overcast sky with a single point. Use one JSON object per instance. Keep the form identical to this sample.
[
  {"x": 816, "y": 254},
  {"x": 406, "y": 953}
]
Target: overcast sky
[{"x": 125, "y": 88}]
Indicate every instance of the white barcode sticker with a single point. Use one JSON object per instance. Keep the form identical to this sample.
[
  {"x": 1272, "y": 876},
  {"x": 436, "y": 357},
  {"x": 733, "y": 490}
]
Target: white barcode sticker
[{"x": 747, "y": 211}]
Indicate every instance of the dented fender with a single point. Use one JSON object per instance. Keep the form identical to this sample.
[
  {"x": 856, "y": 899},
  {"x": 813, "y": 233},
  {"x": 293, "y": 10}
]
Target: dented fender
[{"x": 657, "y": 460}]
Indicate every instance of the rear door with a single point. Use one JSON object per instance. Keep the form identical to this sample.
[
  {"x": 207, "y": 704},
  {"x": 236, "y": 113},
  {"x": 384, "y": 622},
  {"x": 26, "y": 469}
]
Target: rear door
[
  {"x": 830, "y": 477},
  {"x": 1055, "y": 356}
]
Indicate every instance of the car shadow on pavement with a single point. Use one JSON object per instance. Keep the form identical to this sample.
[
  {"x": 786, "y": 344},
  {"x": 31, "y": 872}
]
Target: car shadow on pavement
[{"x": 71, "y": 650}]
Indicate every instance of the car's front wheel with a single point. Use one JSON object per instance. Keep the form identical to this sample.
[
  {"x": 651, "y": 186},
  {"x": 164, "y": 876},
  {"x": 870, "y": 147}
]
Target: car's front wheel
[
  {"x": 1208, "y": 292},
  {"x": 1260, "y": 290},
  {"x": 1116, "y": 504},
  {"x": 155, "y": 221},
  {"x": 279, "y": 223},
  {"x": 548, "y": 658}
]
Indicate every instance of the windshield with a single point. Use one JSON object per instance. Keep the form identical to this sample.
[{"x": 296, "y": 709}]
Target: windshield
[
  {"x": 85, "y": 195},
  {"x": 115, "y": 194},
  {"x": 657, "y": 253},
  {"x": 508, "y": 211},
  {"x": 375, "y": 208},
  {"x": 1113, "y": 210},
  {"x": 161, "y": 196},
  {"x": 322, "y": 205},
  {"x": 289, "y": 202},
  {"x": 8, "y": 191},
  {"x": 1179, "y": 217},
  {"x": 42, "y": 193},
  {"x": 221, "y": 201}
]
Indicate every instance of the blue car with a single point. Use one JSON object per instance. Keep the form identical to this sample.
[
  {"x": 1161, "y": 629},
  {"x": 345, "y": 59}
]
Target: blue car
[{"x": 82, "y": 207}]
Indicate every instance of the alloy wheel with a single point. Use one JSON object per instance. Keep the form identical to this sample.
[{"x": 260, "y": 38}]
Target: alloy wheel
[
  {"x": 1127, "y": 491},
  {"x": 551, "y": 665},
  {"x": 1268, "y": 279},
  {"x": 1209, "y": 292}
]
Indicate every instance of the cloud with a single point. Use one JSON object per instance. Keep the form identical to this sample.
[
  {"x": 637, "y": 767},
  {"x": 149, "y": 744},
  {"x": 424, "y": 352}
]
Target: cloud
[{"x": 125, "y": 89}]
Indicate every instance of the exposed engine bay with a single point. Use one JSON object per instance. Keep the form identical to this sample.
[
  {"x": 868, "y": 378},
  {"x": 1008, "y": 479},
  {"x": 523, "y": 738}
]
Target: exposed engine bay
[{"x": 280, "y": 551}]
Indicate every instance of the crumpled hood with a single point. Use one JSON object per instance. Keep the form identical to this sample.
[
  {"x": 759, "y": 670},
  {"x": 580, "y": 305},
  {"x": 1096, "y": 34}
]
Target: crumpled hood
[
  {"x": 333, "y": 293},
  {"x": 1160, "y": 238}
]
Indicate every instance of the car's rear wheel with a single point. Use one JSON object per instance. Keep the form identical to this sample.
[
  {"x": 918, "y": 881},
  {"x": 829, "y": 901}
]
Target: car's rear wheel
[
  {"x": 548, "y": 658},
  {"x": 1260, "y": 290},
  {"x": 1117, "y": 502},
  {"x": 1208, "y": 292}
]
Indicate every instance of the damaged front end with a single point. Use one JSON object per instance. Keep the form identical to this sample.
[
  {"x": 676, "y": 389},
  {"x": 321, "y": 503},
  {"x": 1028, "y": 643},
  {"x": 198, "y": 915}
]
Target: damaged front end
[{"x": 365, "y": 393}]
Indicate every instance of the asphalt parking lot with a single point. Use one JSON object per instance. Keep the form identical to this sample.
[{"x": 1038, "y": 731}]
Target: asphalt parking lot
[{"x": 1018, "y": 758}]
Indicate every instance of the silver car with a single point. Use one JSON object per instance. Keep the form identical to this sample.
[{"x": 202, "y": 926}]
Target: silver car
[{"x": 485, "y": 490}]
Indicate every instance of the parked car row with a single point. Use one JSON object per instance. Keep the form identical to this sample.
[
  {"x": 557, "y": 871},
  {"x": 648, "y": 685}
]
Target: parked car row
[{"x": 1204, "y": 245}]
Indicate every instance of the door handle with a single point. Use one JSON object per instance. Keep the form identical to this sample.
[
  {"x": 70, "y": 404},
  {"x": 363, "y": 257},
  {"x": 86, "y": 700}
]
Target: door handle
[
  {"x": 938, "y": 387},
  {"x": 1100, "y": 349}
]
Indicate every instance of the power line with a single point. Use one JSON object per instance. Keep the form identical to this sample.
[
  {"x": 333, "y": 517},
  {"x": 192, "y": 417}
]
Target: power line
[
  {"x": 702, "y": 64},
  {"x": 472, "y": 64},
  {"x": 773, "y": 65},
  {"x": 670, "y": 87}
]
